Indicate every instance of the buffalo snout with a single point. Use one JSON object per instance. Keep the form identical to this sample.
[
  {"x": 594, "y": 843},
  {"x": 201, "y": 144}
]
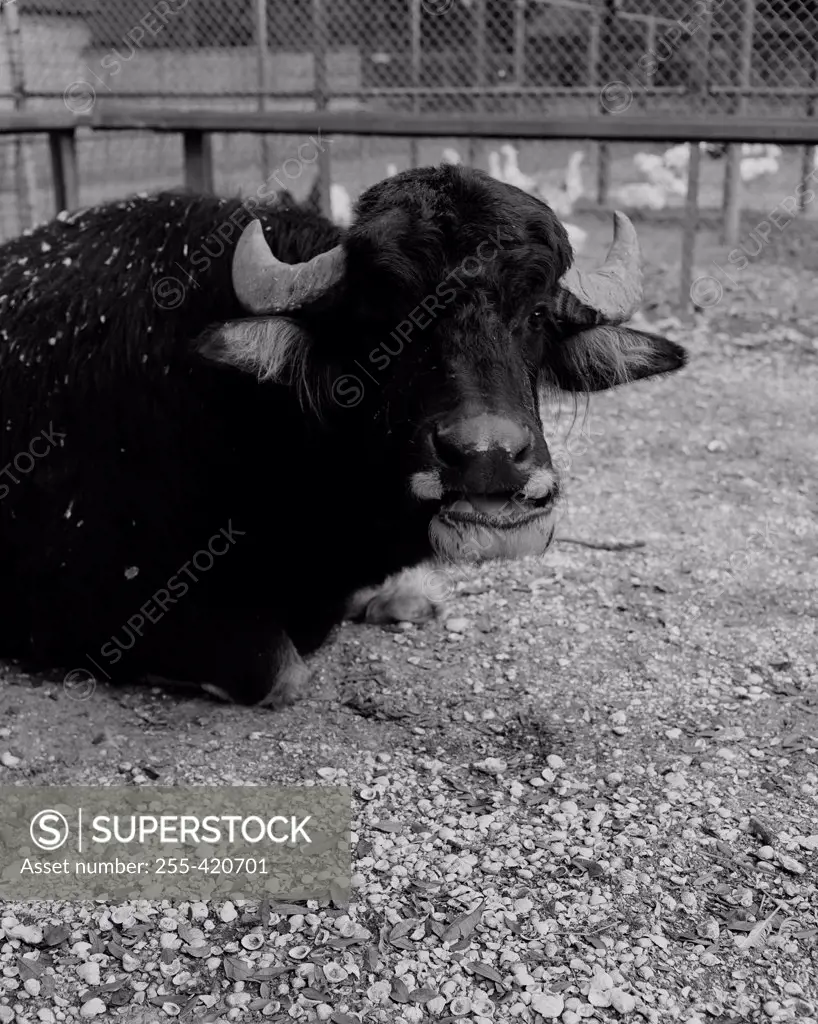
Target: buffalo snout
[{"x": 487, "y": 453}]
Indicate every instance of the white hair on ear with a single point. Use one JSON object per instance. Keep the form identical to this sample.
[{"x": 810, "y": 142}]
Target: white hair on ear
[
  {"x": 603, "y": 357},
  {"x": 271, "y": 348},
  {"x": 613, "y": 355}
]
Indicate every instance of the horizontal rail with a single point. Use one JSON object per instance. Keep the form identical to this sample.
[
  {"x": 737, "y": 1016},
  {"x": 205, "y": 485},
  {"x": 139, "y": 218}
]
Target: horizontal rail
[
  {"x": 29, "y": 122},
  {"x": 389, "y": 123},
  {"x": 614, "y": 128},
  {"x": 464, "y": 91}
]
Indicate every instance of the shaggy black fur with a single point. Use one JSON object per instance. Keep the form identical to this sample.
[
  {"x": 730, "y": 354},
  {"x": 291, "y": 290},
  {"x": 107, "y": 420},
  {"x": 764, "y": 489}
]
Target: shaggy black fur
[{"x": 154, "y": 449}]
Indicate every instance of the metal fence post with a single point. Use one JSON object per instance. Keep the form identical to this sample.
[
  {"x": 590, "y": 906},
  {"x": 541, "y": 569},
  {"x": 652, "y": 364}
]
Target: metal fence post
[
  {"x": 606, "y": 25},
  {"x": 732, "y": 170},
  {"x": 63, "y": 147},
  {"x": 25, "y": 182},
  {"x": 261, "y": 43},
  {"x": 519, "y": 49},
  {"x": 520, "y": 36},
  {"x": 592, "y": 58},
  {"x": 416, "y": 70},
  {"x": 198, "y": 157},
  {"x": 808, "y": 157},
  {"x": 320, "y": 37},
  {"x": 478, "y": 104},
  {"x": 690, "y": 227}
]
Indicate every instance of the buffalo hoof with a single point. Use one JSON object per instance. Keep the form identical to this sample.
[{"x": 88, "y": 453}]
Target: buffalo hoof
[
  {"x": 273, "y": 680},
  {"x": 289, "y": 685},
  {"x": 405, "y": 597}
]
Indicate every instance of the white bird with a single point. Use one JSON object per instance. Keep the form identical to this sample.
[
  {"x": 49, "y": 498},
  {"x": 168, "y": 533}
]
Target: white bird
[
  {"x": 654, "y": 169},
  {"x": 556, "y": 197},
  {"x": 573, "y": 176},
  {"x": 758, "y": 160},
  {"x": 641, "y": 195},
  {"x": 753, "y": 167},
  {"x": 559, "y": 196},
  {"x": 760, "y": 149},
  {"x": 341, "y": 205},
  {"x": 576, "y": 236},
  {"x": 512, "y": 174},
  {"x": 451, "y": 156},
  {"x": 495, "y": 167},
  {"x": 677, "y": 157}
]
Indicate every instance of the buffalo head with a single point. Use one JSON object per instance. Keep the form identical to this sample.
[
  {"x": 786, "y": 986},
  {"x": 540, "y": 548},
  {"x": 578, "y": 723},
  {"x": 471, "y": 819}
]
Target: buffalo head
[{"x": 434, "y": 326}]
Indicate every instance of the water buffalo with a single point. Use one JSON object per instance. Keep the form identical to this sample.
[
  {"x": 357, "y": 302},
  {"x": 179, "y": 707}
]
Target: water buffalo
[{"x": 221, "y": 418}]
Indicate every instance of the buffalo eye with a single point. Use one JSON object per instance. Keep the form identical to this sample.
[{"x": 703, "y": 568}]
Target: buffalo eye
[{"x": 538, "y": 317}]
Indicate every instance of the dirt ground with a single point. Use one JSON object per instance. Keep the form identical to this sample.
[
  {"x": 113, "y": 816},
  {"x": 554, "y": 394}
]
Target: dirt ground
[{"x": 588, "y": 791}]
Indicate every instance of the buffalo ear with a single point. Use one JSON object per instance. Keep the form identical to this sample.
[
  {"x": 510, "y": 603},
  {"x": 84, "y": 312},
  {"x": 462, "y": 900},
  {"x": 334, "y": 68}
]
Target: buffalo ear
[
  {"x": 269, "y": 347},
  {"x": 603, "y": 357}
]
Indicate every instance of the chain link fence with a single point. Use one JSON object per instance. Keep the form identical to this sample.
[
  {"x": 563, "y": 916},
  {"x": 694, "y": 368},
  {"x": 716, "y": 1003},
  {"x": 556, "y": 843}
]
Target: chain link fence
[{"x": 713, "y": 58}]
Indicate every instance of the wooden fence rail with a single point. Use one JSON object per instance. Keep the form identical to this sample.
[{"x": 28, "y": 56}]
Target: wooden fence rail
[{"x": 197, "y": 126}]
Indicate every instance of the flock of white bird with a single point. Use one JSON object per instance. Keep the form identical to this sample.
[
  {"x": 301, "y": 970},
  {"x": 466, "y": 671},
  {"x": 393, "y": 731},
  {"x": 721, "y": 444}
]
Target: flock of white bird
[{"x": 665, "y": 174}]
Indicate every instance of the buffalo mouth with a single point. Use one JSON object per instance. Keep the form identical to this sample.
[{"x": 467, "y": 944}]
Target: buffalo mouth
[
  {"x": 474, "y": 528},
  {"x": 495, "y": 511}
]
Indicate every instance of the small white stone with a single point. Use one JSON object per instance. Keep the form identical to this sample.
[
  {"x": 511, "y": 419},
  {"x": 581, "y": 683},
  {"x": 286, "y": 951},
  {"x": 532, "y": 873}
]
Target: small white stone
[
  {"x": 32, "y": 986},
  {"x": 28, "y": 933},
  {"x": 379, "y": 992},
  {"x": 458, "y": 625},
  {"x": 622, "y": 1001},
  {"x": 228, "y": 912},
  {"x": 89, "y": 973},
  {"x": 93, "y": 1008},
  {"x": 548, "y": 1005},
  {"x": 436, "y": 1006},
  {"x": 791, "y": 864},
  {"x": 709, "y": 929},
  {"x": 124, "y": 916},
  {"x": 46, "y": 1016},
  {"x": 335, "y": 973},
  {"x": 9, "y": 760},
  {"x": 555, "y": 761}
]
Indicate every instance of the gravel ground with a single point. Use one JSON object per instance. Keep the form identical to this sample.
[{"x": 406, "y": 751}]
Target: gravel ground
[{"x": 588, "y": 791}]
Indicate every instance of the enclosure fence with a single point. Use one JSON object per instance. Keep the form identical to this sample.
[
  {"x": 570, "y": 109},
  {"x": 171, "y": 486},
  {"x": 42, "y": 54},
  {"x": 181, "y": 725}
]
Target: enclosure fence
[
  {"x": 708, "y": 56},
  {"x": 527, "y": 60}
]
